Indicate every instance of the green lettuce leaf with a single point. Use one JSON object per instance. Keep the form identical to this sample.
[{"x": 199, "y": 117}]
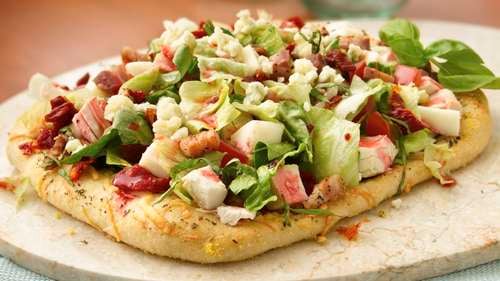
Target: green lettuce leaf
[
  {"x": 350, "y": 106},
  {"x": 221, "y": 68},
  {"x": 194, "y": 94},
  {"x": 183, "y": 59},
  {"x": 267, "y": 111},
  {"x": 418, "y": 140},
  {"x": 226, "y": 114},
  {"x": 143, "y": 82},
  {"x": 435, "y": 156},
  {"x": 335, "y": 146},
  {"x": 132, "y": 127},
  {"x": 294, "y": 118},
  {"x": 92, "y": 150},
  {"x": 267, "y": 37}
]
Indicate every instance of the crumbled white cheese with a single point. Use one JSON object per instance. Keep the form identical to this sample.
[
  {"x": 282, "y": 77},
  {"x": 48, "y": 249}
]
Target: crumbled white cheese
[
  {"x": 115, "y": 104},
  {"x": 396, "y": 203},
  {"x": 265, "y": 65},
  {"x": 174, "y": 30},
  {"x": 142, "y": 107},
  {"x": 343, "y": 28},
  {"x": 330, "y": 75},
  {"x": 226, "y": 46},
  {"x": 355, "y": 53},
  {"x": 304, "y": 72},
  {"x": 187, "y": 38},
  {"x": 303, "y": 48},
  {"x": 255, "y": 93},
  {"x": 204, "y": 185},
  {"x": 231, "y": 215},
  {"x": 180, "y": 134},
  {"x": 167, "y": 127},
  {"x": 167, "y": 108},
  {"x": 73, "y": 145},
  {"x": 244, "y": 23},
  {"x": 160, "y": 156},
  {"x": 137, "y": 67}
]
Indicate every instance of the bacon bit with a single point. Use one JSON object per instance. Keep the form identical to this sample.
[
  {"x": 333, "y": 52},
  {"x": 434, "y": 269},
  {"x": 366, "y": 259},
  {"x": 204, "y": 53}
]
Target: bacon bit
[
  {"x": 129, "y": 54},
  {"x": 133, "y": 126},
  {"x": 78, "y": 169},
  {"x": 317, "y": 60},
  {"x": 59, "y": 145},
  {"x": 108, "y": 82},
  {"x": 61, "y": 86},
  {"x": 150, "y": 115},
  {"x": 211, "y": 100},
  {"x": 347, "y": 137},
  {"x": 339, "y": 59},
  {"x": 121, "y": 72},
  {"x": 136, "y": 178},
  {"x": 282, "y": 64},
  {"x": 199, "y": 144},
  {"x": 123, "y": 198},
  {"x": 333, "y": 102},
  {"x": 349, "y": 232},
  {"x": 370, "y": 107},
  {"x": 165, "y": 61},
  {"x": 62, "y": 112},
  {"x": 45, "y": 139},
  {"x": 294, "y": 21},
  {"x": 136, "y": 96},
  {"x": 400, "y": 112},
  {"x": 290, "y": 47},
  {"x": 6, "y": 186},
  {"x": 82, "y": 81}
]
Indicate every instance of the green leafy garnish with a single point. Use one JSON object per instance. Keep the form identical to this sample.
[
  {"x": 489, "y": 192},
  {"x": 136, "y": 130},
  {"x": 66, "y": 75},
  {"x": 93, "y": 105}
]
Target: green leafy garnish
[
  {"x": 132, "y": 127},
  {"x": 155, "y": 96},
  {"x": 183, "y": 59},
  {"x": 91, "y": 150},
  {"x": 208, "y": 27},
  {"x": 267, "y": 37},
  {"x": 404, "y": 39},
  {"x": 315, "y": 41},
  {"x": 294, "y": 118}
]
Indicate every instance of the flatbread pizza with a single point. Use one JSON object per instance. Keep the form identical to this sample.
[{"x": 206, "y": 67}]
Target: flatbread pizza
[{"x": 220, "y": 143}]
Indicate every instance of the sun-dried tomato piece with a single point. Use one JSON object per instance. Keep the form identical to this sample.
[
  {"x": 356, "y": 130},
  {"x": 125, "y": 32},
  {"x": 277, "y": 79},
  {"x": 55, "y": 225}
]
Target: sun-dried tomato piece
[
  {"x": 200, "y": 32},
  {"x": 82, "y": 81},
  {"x": 62, "y": 112},
  {"x": 338, "y": 59},
  {"x": 45, "y": 139},
  {"x": 137, "y": 96},
  {"x": 137, "y": 178},
  {"x": 399, "y": 111},
  {"x": 78, "y": 169},
  {"x": 108, "y": 82}
]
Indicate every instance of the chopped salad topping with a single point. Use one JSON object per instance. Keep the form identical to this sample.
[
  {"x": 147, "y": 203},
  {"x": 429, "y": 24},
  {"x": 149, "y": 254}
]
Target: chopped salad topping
[{"x": 265, "y": 115}]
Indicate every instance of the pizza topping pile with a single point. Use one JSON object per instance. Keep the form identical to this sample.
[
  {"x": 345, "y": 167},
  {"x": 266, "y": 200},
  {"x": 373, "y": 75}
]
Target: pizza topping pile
[{"x": 263, "y": 115}]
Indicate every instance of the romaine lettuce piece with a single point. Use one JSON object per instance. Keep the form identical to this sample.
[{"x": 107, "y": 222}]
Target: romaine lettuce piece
[
  {"x": 266, "y": 111},
  {"x": 194, "y": 95},
  {"x": 132, "y": 127},
  {"x": 221, "y": 68},
  {"x": 335, "y": 146},
  {"x": 418, "y": 140},
  {"x": 294, "y": 119},
  {"x": 143, "y": 82},
  {"x": 267, "y": 37},
  {"x": 350, "y": 106},
  {"x": 226, "y": 114}
]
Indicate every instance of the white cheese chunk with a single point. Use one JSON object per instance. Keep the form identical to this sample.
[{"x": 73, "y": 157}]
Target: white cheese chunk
[
  {"x": 231, "y": 215},
  {"x": 115, "y": 104},
  {"x": 204, "y": 185},
  {"x": 376, "y": 155},
  {"x": 442, "y": 121},
  {"x": 254, "y": 131},
  {"x": 161, "y": 156}
]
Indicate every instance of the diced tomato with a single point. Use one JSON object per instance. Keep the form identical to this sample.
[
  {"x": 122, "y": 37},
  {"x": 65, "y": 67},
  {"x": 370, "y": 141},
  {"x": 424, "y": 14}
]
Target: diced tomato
[
  {"x": 406, "y": 74},
  {"x": 137, "y": 178},
  {"x": 349, "y": 232},
  {"x": 78, "y": 169},
  {"x": 231, "y": 153},
  {"x": 375, "y": 125}
]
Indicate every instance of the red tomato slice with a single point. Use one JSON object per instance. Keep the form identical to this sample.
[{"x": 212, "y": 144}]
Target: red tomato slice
[
  {"x": 406, "y": 74},
  {"x": 376, "y": 125},
  {"x": 231, "y": 153}
]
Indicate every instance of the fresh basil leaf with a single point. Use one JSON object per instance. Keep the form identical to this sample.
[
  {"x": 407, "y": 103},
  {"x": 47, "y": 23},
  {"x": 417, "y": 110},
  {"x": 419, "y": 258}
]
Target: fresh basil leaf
[
  {"x": 404, "y": 39},
  {"x": 208, "y": 27},
  {"x": 183, "y": 59},
  {"x": 495, "y": 84},
  {"x": 314, "y": 40},
  {"x": 155, "y": 96},
  {"x": 113, "y": 156},
  {"x": 259, "y": 157},
  {"x": 399, "y": 27},
  {"x": 132, "y": 127},
  {"x": 294, "y": 118},
  {"x": 91, "y": 150},
  {"x": 467, "y": 82},
  {"x": 227, "y": 31},
  {"x": 443, "y": 49}
]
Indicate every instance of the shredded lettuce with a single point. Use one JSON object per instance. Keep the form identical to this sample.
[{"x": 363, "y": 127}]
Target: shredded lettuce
[
  {"x": 143, "y": 82},
  {"x": 183, "y": 59},
  {"x": 266, "y": 111},
  {"x": 294, "y": 119},
  {"x": 226, "y": 114},
  {"x": 350, "y": 106},
  {"x": 418, "y": 140},
  {"x": 298, "y": 92},
  {"x": 221, "y": 68},
  {"x": 411, "y": 96},
  {"x": 132, "y": 127},
  {"x": 267, "y": 37},
  {"x": 435, "y": 158},
  {"x": 194, "y": 94},
  {"x": 335, "y": 146},
  {"x": 93, "y": 149}
]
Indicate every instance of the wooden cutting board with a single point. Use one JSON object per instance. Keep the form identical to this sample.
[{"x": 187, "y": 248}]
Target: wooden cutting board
[{"x": 435, "y": 230}]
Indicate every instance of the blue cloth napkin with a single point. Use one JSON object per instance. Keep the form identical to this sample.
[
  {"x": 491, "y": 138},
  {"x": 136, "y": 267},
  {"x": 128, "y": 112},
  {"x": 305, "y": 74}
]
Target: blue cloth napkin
[{"x": 10, "y": 271}]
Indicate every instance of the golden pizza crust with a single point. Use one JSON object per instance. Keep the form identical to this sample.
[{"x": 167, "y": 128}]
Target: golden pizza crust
[{"x": 175, "y": 229}]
